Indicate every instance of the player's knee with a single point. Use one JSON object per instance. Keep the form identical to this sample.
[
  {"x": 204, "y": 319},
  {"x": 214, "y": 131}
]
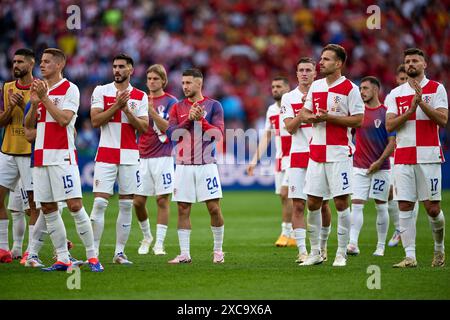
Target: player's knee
[
  {"x": 214, "y": 210},
  {"x": 162, "y": 202},
  {"x": 433, "y": 210},
  {"x": 405, "y": 205},
  {"x": 299, "y": 207},
  {"x": 183, "y": 207},
  {"x": 49, "y": 207},
  {"x": 74, "y": 205},
  {"x": 139, "y": 202}
]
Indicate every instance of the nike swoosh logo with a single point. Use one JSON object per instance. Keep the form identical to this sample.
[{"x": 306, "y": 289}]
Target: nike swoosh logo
[
  {"x": 402, "y": 103},
  {"x": 380, "y": 224},
  {"x": 433, "y": 194},
  {"x": 341, "y": 234},
  {"x": 83, "y": 233},
  {"x": 126, "y": 225},
  {"x": 316, "y": 99},
  {"x": 69, "y": 191},
  {"x": 139, "y": 185},
  {"x": 166, "y": 187},
  {"x": 344, "y": 188},
  {"x": 183, "y": 115},
  {"x": 212, "y": 192}
]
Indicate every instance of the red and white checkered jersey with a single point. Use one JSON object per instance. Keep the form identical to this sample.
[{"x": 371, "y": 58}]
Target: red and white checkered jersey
[
  {"x": 418, "y": 139},
  {"x": 118, "y": 137},
  {"x": 282, "y": 137},
  {"x": 291, "y": 104},
  {"x": 331, "y": 142},
  {"x": 55, "y": 144}
]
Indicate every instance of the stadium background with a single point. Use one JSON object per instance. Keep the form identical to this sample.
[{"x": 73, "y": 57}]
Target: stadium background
[{"x": 239, "y": 45}]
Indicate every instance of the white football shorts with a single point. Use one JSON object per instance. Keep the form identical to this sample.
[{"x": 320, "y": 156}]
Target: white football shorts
[
  {"x": 196, "y": 183},
  {"x": 156, "y": 176},
  {"x": 105, "y": 175},
  {"x": 374, "y": 186}
]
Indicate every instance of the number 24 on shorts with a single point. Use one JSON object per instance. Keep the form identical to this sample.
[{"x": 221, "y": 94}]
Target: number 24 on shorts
[{"x": 212, "y": 183}]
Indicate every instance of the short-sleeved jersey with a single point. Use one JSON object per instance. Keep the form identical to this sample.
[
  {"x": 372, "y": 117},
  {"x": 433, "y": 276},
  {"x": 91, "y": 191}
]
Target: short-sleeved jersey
[
  {"x": 14, "y": 142},
  {"x": 273, "y": 123},
  {"x": 55, "y": 144},
  {"x": 154, "y": 143},
  {"x": 118, "y": 140},
  {"x": 283, "y": 139},
  {"x": 372, "y": 139},
  {"x": 291, "y": 104},
  {"x": 331, "y": 142},
  {"x": 203, "y": 134},
  {"x": 418, "y": 139}
]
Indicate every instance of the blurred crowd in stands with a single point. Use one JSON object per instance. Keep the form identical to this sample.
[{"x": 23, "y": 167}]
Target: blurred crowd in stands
[{"x": 239, "y": 44}]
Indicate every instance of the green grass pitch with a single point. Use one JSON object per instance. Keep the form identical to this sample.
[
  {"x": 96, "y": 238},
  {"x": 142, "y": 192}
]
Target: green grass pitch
[{"x": 254, "y": 268}]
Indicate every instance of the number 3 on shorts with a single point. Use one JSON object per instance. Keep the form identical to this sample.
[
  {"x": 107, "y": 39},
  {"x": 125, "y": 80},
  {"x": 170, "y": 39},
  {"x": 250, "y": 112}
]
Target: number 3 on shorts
[{"x": 344, "y": 180}]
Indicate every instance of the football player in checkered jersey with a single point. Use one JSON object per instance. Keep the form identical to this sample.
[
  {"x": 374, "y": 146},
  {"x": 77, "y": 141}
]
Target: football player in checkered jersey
[
  {"x": 54, "y": 107},
  {"x": 119, "y": 110},
  {"x": 416, "y": 110},
  {"x": 291, "y": 104},
  {"x": 334, "y": 106}
]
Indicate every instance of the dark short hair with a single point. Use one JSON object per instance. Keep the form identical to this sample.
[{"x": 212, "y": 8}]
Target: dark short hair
[
  {"x": 194, "y": 72},
  {"x": 413, "y": 51},
  {"x": 306, "y": 60},
  {"x": 400, "y": 69},
  {"x": 123, "y": 56},
  {"x": 56, "y": 52},
  {"x": 25, "y": 52},
  {"x": 281, "y": 78},
  {"x": 340, "y": 52},
  {"x": 372, "y": 80}
]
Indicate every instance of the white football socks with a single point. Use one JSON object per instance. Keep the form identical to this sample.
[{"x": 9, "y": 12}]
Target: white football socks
[
  {"x": 18, "y": 229},
  {"x": 300, "y": 239},
  {"x": 286, "y": 228},
  {"x": 218, "y": 237},
  {"x": 37, "y": 238},
  {"x": 314, "y": 221},
  {"x": 394, "y": 213},
  {"x": 84, "y": 230},
  {"x": 356, "y": 222},
  {"x": 123, "y": 224},
  {"x": 343, "y": 231},
  {"x": 161, "y": 230},
  {"x": 4, "y": 234},
  {"x": 98, "y": 220},
  {"x": 324, "y": 234},
  {"x": 30, "y": 236},
  {"x": 145, "y": 227},
  {"x": 57, "y": 233},
  {"x": 184, "y": 241},
  {"x": 438, "y": 228},
  {"x": 408, "y": 232},
  {"x": 382, "y": 223}
]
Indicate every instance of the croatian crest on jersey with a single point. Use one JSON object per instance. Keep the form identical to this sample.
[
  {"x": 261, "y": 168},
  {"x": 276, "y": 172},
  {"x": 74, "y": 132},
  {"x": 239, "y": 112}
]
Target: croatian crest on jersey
[
  {"x": 283, "y": 110},
  {"x": 377, "y": 123},
  {"x": 132, "y": 105},
  {"x": 336, "y": 101},
  {"x": 427, "y": 99},
  {"x": 56, "y": 101}
]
